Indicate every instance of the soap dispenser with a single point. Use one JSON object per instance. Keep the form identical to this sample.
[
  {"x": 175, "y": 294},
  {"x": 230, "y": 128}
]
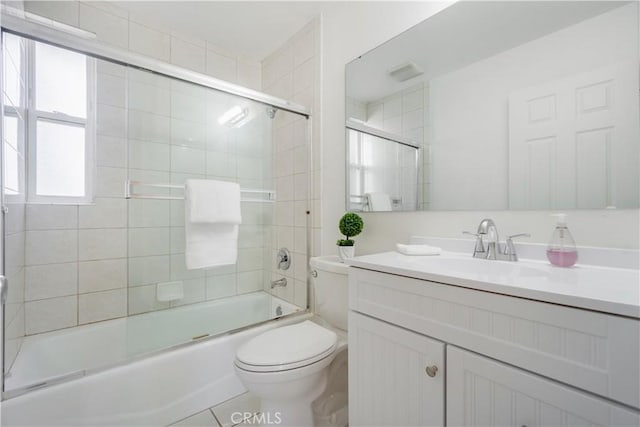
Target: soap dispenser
[{"x": 562, "y": 250}]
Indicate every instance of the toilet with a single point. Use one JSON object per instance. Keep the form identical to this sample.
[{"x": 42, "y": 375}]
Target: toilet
[{"x": 290, "y": 367}]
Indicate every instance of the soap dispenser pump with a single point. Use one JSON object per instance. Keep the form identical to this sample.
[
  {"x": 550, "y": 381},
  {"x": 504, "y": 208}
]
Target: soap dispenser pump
[{"x": 562, "y": 251}]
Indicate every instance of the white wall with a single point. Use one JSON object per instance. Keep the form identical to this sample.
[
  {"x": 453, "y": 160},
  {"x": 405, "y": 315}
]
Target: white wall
[{"x": 352, "y": 29}]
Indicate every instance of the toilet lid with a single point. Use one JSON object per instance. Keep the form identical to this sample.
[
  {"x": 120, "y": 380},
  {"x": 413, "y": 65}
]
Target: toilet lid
[{"x": 287, "y": 347}]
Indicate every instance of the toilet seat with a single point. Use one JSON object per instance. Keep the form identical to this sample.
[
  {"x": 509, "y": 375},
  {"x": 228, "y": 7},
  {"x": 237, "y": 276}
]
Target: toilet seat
[{"x": 286, "y": 348}]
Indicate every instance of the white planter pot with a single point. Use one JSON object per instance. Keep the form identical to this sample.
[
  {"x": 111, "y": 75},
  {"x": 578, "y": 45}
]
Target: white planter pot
[{"x": 346, "y": 252}]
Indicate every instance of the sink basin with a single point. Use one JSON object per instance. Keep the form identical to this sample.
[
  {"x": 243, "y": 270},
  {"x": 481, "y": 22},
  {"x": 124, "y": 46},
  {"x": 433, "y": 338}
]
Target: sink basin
[{"x": 460, "y": 265}]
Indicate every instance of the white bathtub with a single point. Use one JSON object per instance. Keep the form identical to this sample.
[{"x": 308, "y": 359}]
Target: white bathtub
[{"x": 155, "y": 390}]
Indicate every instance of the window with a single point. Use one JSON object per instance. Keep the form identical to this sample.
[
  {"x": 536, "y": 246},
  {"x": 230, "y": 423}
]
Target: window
[
  {"x": 13, "y": 123},
  {"x": 59, "y": 93}
]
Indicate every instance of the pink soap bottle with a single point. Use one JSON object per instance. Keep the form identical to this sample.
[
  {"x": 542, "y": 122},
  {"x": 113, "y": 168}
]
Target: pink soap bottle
[{"x": 562, "y": 251}]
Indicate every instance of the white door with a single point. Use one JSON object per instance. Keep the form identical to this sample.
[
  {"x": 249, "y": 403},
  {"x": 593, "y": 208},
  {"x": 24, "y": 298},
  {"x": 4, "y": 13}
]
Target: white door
[
  {"x": 388, "y": 380},
  {"x": 484, "y": 392},
  {"x": 573, "y": 143}
]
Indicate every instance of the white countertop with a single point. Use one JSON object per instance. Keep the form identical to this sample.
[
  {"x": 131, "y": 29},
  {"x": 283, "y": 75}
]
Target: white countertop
[{"x": 604, "y": 289}]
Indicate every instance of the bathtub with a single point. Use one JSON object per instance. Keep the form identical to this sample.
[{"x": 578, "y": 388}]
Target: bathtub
[{"x": 138, "y": 370}]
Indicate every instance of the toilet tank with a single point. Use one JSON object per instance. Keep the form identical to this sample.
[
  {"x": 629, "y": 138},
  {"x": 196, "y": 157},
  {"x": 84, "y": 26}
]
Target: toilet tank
[{"x": 331, "y": 289}]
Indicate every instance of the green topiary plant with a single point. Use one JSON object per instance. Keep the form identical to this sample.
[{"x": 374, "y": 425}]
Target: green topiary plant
[{"x": 350, "y": 225}]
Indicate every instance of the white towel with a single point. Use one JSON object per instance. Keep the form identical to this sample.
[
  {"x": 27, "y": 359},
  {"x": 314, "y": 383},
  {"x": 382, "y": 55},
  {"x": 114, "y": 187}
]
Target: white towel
[
  {"x": 212, "y": 202},
  {"x": 418, "y": 249},
  {"x": 379, "y": 202},
  {"x": 212, "y": 216}
]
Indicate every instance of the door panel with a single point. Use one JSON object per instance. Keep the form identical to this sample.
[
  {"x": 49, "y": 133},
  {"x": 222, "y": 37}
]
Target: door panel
[{"x": 573, "y": 143}]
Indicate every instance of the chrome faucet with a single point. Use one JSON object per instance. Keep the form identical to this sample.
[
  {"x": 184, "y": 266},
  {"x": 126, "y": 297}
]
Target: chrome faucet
[
  {"x": 494, "y": 250},
  {"x": 280, "y": 282}
]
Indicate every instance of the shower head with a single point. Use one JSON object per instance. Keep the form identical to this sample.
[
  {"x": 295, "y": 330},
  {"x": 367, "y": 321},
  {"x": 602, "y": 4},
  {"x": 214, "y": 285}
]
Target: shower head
[{"x": 271, "y": 112}]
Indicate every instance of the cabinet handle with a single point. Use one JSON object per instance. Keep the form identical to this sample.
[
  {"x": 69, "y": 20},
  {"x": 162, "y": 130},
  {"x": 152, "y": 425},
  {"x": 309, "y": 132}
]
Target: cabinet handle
[{"x": 431, "y": 370}]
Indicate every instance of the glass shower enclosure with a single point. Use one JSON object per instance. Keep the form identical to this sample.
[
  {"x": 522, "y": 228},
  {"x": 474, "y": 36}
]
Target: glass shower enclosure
[{"x": 95, "y": 155}]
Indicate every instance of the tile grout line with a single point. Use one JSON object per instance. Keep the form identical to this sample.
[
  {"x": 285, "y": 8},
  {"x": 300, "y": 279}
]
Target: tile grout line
[{"x": 215, "y": 417}]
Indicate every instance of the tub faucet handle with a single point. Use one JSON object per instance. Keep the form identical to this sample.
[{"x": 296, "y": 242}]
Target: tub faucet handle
[{"x": 284, "y": 259}]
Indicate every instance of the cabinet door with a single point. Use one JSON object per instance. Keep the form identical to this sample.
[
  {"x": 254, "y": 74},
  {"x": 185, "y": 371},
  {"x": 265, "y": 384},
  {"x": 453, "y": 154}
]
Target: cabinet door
[
  {"x": 388, "y": 380},
  {"x": 484, "y": 392}
]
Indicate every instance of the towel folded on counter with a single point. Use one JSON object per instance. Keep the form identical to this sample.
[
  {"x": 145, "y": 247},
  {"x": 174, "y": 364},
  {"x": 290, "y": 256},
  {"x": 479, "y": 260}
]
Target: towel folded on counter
[{"x": 418, "y": 249}]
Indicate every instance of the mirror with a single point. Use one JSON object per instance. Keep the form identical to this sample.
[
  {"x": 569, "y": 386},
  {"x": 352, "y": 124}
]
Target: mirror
[{"x": 511, "y": 105}]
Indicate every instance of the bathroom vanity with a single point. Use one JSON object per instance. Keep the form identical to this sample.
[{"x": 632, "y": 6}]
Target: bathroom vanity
[{"x": 452, "y": 340}]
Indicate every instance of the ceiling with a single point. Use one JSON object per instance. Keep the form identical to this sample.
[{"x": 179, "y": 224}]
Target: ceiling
[{"x": 250, "y": 28}]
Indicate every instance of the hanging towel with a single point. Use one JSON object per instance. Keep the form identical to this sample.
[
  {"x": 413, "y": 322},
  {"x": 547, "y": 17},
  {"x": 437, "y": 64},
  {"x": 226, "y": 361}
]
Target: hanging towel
[
  {"x": 212, "y": 202},
  {"x": 212, "y": 216},
  {"x": 379, "y": 202}
]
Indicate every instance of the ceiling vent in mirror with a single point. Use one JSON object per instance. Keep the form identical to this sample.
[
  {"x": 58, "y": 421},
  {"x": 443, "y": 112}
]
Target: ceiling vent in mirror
[{"x": 405, "y": 71}]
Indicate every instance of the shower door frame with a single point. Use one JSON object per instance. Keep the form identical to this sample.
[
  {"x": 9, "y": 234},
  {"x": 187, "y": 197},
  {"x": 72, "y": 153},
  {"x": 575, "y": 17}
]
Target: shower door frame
[
  {"x": 38, "y": 32},
  {"x": 3, "y": 210},
  {"x": 13, "y": 24}
]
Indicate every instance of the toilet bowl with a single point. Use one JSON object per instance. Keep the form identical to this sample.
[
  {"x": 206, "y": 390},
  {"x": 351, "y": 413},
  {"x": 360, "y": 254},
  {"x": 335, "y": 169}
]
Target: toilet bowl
[{"x": 287, "y": 367}]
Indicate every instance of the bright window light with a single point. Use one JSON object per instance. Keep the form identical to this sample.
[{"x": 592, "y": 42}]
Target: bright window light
[
  {"x": 60, "y": 168},
  {"x": 61, "y": 81}
]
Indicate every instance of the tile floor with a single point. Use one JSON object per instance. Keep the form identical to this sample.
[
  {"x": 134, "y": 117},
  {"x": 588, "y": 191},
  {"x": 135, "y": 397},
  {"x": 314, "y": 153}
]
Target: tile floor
[{"x": 221, "y": 415}]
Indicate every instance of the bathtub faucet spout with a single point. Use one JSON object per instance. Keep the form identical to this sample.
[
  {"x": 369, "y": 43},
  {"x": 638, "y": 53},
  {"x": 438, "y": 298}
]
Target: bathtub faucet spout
[{"x": 280, "y": 282}]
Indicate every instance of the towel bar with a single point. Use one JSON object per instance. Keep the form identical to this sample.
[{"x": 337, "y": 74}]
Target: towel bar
[{"x": 129, "y": 192}]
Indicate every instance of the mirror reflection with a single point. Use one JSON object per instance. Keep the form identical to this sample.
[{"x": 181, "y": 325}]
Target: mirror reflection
[{"x": 513, "y": 105}]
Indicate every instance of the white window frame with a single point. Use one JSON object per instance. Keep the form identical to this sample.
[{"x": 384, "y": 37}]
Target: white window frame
[
  {"x": 18, "y": 112},
  {"x": 89, "y": 125}
]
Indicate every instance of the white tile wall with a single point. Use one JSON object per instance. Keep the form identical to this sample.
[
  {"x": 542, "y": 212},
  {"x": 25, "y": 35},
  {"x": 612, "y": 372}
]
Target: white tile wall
[
  {"x": 50, "y": 314},
  {"x": 97, "y": 306},
  {"x": 152, "y": 130},
  {"x": 404, "y": 113},
  {"x": 111, "y": 120},
  {"x": 220, "y": 286},
  {"x": 148, "y": 270},
  {"x": 108, "y": 27},
  {"x": 103, "y": 213},
  {"x": 142, "y": 299},
  {"x": 111, "y": 151},
  {"x": 51, "y": 246},
  {"x": 149, "y": 241},
  {"x": 149, "y": 127},
  {"x": 51, "y": 217},
  {"x": 111, "y": 90},
  {"x": 102, "y": 243},
  {"x": 292, "y": 72},
  {"x": 188, "y": 55},
  {"x": 65, "y": 12},
  {"x": 147, "y": 41},
  {"x": 50, "y": 281},
  {"x": 101, "y": 275}
]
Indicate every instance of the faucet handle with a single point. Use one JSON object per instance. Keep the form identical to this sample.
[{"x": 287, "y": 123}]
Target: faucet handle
[
  {"x": 509, "y": 247},
  {"x": 479, "y": 248},
  {"x": 519, "y": 235}
]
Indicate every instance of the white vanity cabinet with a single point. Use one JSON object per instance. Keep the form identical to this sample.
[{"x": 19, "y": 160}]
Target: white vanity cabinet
[
  {"x": 507, "y": 360},
  {"x": 484, "y": 392},
  {"x": 396, "y": 377}
]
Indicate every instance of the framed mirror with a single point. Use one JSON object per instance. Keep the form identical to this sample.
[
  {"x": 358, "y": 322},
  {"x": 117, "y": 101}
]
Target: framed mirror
[{"x": 499, "y": 106}]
